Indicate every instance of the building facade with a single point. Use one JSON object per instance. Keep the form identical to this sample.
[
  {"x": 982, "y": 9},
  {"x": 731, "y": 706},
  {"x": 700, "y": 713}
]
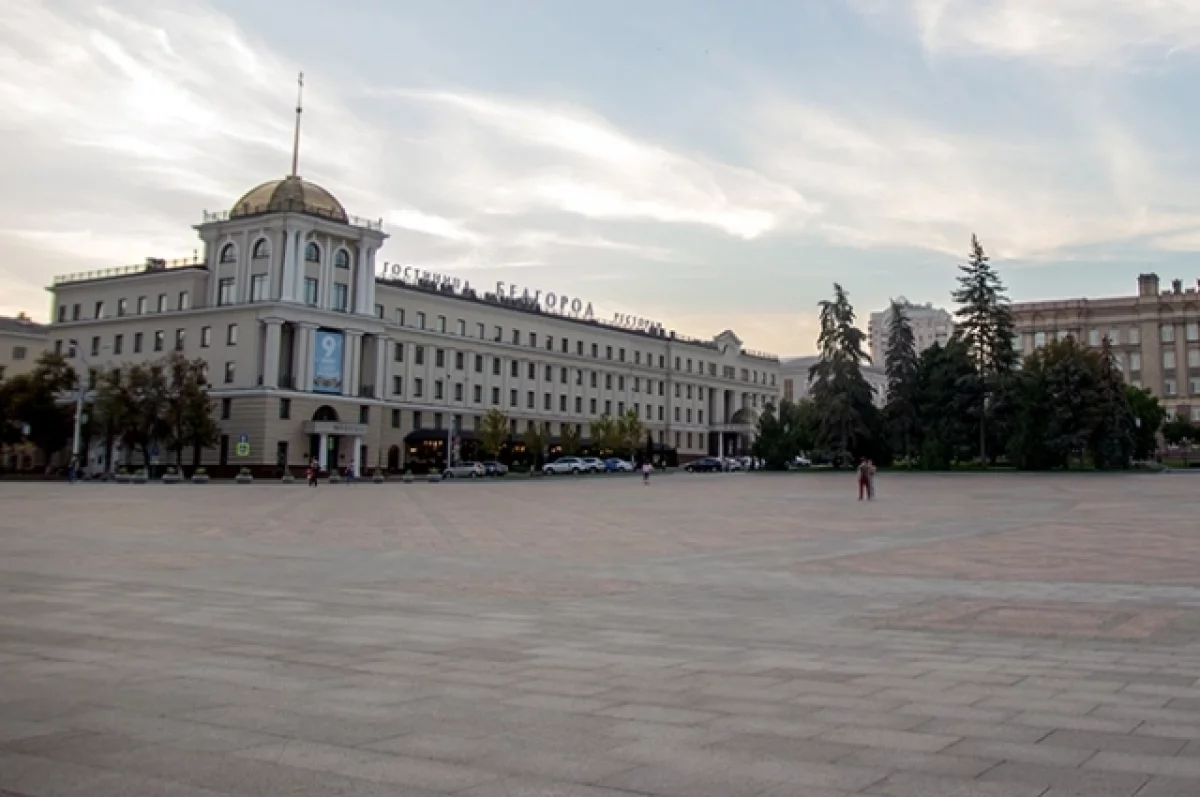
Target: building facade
[
  {"x": 1154, "y": 334},
  {"x": 930, "y": 325},
  {"x": 314, "y": 350},
  {"x": 21, "y": 342},
  {"x": 793, "y": 376}
]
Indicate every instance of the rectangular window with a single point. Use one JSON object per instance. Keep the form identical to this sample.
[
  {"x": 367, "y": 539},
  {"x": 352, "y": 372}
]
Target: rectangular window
[
  {"x": 677, "y": 414},
  {"x": 549, "y": 373},
  {"x": 620, "y": 408},
  {"x": 516, "y": 337},
  {"x": 95, "y": 346},
  {"x": 562, "y": 403},
  {"x": 397, "y": 351},
  {"x": 225, "y": 291},
  {"x": 1114, "y": 337},
  {"x": 546, "y": 399},
  {"x": 1168, "y": 360},
  {"x": 620, "y": 383},
  {"x": 122, "y": 306},
  {"x": 1093, "y": 337},
  {"x": 418, "y": 388},
  {"x": 285, "y": 409},
  {"x": 608, "y": 407},
  {"x": 439, "y": 358},
  {"x": 364, "y": 414},
  {"x": 226, "y": 408},
  {"x": 592, "y": 405},
  {"x": 496, "y": 366},
  {"x": 141, "y": 306},
  {"x": 118, "y": 343},
  {"x": 595, "y": 350},
  {"x": 258, "y": 288},
  {"x": 689, "y": 439},
  {"x": 419, "y": 354},
  {"x": 379, "y": 311},
  {"x": 310, "y": 291},
  {"x": 529, "y": 399},
  {"x": 438, "y": 390},
  {"x": 608, "y": 352},
  {"x": 532, "y": 370},
  {"x": 637, "y": 358},
  {"x": 458, "y": 391},
  {"x": 231, "y": 335},
  {"x": 341, "y": 297},
  {"x": 397, "y": 385},
  {"x": 593, "y": 376},
  {"x": 185, "y": 300},
  {"x": 1169, "y": 387},
  {"x": 441, "y": 323},
  {"x": 660, "y": 412},
  {"x": 20, "y": 352},
  {"x": 1167, "y": 333},
  {"x": 512, "y": 398},
  {"x": 1039, "y": 340},
  {"x": 549, "y": 343},
  {"x": 417, "y": 420},
  {"x": 579, "y": 348},
  {"x": 180, "y": 337},
  {"x": 496, "y": 396},
  {"x": 562, "y": 375},
  {"x": 477, "y": 394},
  {"x": 420, "y": 320},
  {"x": 137, "y": 342},
  {"x": 1135, "y": 361},
  {"x": 461, "y": 327},
  {"x": 1194, "y": 389},
  {"x": 533, "y": 339},
  {"x": 99, "y": 310},
  {"x": 497, "y": 334},
  {"x": 661, "y": 387},
  {"x": 479, "y": 363},
  {"x": 395, "y": 419},
  {"x": 229, "y": 372},
  {"x": 159, "y": 338},
  {"x": 677, "y": 436},
  {"x": 399, "y": 316},
  {"x": 565, "y": 346},
  {"x": 689, "y": 415},
  {"x": 578, "y": 404},
  {"x": 1192, "y": 332},
  {"x": 1135, "y": 336},
  {"x": 700, "y": 417},
  {"x": 458, "y": 360},
  {"x": 514, "y": 369},
  {"x": 1193, "y": 358},
  {"x": 480, "y": 331},
  {"x": 62, "y": 313},
  {"x": 75, "y": 312}
]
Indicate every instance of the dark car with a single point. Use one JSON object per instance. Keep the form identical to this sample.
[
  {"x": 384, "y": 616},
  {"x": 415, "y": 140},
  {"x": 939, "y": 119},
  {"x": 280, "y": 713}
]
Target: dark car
[{"x": 706, "y": 465}]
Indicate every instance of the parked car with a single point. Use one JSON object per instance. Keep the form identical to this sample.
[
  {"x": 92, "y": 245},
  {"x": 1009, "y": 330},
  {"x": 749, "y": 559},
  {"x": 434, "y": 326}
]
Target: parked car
[
  {"x": 705, "y": 465},
  {"x": 464, "y": 470},
  {"x": 571, "y": 465},
  {"x": 800, "y": 462},
  {"x": 618, "y": 465},
  {"x": 593, "y": 465},
  {"x": 733, "y": 464},
  {"x": 494, "y": 468}
]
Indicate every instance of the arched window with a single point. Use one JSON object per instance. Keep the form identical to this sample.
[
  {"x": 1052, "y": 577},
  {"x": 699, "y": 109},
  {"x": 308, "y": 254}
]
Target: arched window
[
  {"x": 342, "y": 259},
  {"x": 312, "y": 253},
  {"x": 228, "y": 253},
  {"x": 260, "y": 249}
]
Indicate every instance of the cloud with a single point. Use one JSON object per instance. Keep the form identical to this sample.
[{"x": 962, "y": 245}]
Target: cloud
[{"x": 1064, "y": 32}]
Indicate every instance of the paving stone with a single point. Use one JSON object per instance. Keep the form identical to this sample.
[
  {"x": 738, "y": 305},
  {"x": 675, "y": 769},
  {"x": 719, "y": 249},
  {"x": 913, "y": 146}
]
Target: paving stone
[
  {"x": 1182, "y": 767},
  {"x": 1017, "y": 751},
  {"x": 907, "y": 784},
  {"x": 1113, "y": 742},
  {"x": 1168, "y": 787},
  {"x": 1067, "y": 779},
  {"x": 891, "y": 740}
]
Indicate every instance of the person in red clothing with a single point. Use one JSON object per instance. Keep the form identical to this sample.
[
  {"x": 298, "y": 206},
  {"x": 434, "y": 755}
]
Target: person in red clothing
[{"x": 864, "y": 479}]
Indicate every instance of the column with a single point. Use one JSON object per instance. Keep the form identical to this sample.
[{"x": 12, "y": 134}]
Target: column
[
  {"x": 357, "y": 457},
  {"x": 287, "y": 262},
  {"x": 242, "y": 286},
  {"x": 355, "y": 348},
  {"x": 325, "y": 294},
  {"x": 381, "y": 347},
  {"x": 299, "y": 264},
  {"x": 271, "y": 353},
  {"x": 323, "y": 451},
  {"x": 306, "y": 367},
  {"x": 348, "y": 386}
]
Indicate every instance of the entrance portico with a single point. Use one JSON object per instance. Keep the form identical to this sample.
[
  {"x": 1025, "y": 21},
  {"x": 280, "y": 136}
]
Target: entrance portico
[{"x": 329, "y": 434}]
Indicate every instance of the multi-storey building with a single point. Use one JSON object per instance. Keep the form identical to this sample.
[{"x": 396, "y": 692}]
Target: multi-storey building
[
  {"x": 793, "y": 376},
  {"x": 313, "y": 351},
  {"x": 1155, "y": 336},
  {"x": 930, "y": 325},
  {"x": 21, "y": 342}
]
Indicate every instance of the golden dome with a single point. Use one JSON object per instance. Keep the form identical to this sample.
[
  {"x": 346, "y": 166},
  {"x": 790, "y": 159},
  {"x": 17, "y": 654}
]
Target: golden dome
[{"x": 290, "y": 195}]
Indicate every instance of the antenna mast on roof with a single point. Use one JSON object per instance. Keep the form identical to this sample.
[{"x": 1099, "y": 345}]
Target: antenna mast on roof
[{"x": 299, "y": 111}]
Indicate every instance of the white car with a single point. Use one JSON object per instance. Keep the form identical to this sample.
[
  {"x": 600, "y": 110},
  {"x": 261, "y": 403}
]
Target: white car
[
  {"x": 800, "y": 462},
  {"x": 464, "y": 470},
  {"x": 618, "y": 465},
  {"x": 570, "y": 465},
  {"x": 593, "y": 465},
  {"x": 732, "y": 464}
]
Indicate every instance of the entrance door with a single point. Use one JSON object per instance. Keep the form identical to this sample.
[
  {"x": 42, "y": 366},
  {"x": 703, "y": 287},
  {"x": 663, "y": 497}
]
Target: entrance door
[{"x": 331, "y": 453}]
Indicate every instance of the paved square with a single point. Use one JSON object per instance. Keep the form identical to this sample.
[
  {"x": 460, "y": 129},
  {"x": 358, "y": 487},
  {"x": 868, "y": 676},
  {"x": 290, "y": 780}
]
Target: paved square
[{"x": 746, "y": 634}]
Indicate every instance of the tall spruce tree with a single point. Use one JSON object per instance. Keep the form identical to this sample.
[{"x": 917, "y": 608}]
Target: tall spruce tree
[
  {"x": 843, "y": 398},
  {"x": 985, "y": 324},
  {"x": 900, "y": 364},
  {"x": 1112, "y": 439}
]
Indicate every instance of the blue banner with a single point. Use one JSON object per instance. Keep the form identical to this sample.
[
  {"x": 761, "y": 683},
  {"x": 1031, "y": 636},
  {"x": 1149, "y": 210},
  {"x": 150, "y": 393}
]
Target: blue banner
[{"x": 327, "y": 361}]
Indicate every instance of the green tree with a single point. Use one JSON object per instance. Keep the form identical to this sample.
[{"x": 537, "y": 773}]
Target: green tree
[
  {"x": 985, "y": 324},
  {"x": 1112, "y": 441},
  {"x": 946, "y": 388},
  {"x": 1057, "y": 406},
  {"x": 1178, "y": 430},
  {"x": 843, "y": 398},
  {"x": 493, "y": 432},
  {"x": 189, "y": 417},
  {"x": 39, "y": 400},
  {"x": 604, "y": 434},
  {"x": 572, "y": 440},
  {"x": 629, "y": 431},
  {"x": 1148, "y": 417},
  {"x": 784, "y": 433},
  {"x": 536, "y": 439},
  {"x": 900, "y": 364},
  {"x": 111, "y": 406}
]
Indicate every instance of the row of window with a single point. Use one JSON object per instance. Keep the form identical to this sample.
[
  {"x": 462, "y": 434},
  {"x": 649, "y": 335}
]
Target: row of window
[
  {"x": 1171, "y": 388},
  {"x": 143, "y": 303},
  {"x": 227, "y": 292},
  {"x": 685, "y": 364},
  {"x": 262, "y": 249},
  {"x": 1132, "y": 336},
  {"x": 159, "y": 341}
]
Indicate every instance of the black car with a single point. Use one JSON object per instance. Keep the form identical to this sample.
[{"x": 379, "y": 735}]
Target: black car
[{"x": 706, "y": 465}]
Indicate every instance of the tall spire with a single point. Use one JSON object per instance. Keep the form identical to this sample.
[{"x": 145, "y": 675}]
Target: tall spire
[{"x": 299, "y": 111}]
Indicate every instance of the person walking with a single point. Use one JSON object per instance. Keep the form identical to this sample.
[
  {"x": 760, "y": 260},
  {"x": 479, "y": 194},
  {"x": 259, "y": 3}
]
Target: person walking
[
  {"x": 313, "y": 470},
  {"x": 871, "y": 479},
  {"x": 73, "y": 470},
  {"x": 646, "y": 469},
  {"x": 864, "y": 479}
]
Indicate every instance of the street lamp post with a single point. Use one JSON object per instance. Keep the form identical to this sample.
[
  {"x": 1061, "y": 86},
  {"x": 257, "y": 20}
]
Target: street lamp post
[
  {"x": 77, "y": 439},
  {"x": 449, "y": 424}
]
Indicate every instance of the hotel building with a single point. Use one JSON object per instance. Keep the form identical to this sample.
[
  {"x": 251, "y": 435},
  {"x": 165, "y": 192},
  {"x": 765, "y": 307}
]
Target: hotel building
[
  {"x": 316, "y": 350},
  {"x": 1154, "y": 334},
  {"x": 929, "y": 324}
]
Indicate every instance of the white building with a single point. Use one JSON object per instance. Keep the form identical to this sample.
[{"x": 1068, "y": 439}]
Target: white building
[
  {"x": 930, "y": 325},
  {"x": 793, "y": 374}
]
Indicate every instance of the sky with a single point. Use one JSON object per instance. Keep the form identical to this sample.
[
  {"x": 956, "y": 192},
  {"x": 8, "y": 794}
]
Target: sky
[{"x": 709, "y": 165}]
